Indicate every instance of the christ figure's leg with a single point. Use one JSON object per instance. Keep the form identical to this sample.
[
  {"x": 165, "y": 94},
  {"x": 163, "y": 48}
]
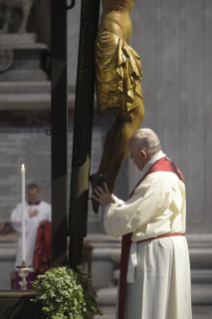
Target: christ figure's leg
[{"x": 116, "y": 146}]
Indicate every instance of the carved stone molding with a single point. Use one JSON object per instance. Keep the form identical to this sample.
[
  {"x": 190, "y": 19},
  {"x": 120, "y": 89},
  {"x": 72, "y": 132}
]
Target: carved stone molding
[{"x": 6, "y": 58}]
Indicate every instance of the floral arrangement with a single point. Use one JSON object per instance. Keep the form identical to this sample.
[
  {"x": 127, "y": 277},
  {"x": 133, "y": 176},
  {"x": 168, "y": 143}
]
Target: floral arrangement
[{"x": 66, "y": 293}]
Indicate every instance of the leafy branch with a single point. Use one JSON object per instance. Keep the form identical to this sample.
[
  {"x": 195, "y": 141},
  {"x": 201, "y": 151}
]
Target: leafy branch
[{"x": 66, "y": 293}]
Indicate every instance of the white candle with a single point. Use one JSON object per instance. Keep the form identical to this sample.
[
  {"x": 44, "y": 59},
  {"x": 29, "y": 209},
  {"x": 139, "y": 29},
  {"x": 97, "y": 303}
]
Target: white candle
[{"x": 23, "y": 215}]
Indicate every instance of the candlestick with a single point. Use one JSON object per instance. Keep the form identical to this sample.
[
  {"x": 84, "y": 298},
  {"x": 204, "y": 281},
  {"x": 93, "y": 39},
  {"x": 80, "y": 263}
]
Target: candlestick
[
  {"x": 23, "y": 272},
  {"x": 23, "y": 215}
]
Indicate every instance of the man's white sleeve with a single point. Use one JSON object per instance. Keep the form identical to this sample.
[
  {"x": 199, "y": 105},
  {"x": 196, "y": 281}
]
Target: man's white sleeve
[
  {"x": 16, "y": 218},
  {"x": 49, "y": 213},
  {"x": 118, "y": 200},
  {"x": 136, "y": 212}
]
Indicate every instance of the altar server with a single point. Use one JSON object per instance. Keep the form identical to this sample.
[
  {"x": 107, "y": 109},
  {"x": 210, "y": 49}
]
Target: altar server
[
  {"x": 155, "y": 259},
  {"x": 37, "y": 211}
]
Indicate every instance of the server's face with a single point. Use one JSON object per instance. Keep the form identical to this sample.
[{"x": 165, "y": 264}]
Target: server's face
[{"x": 32, "y": 195}]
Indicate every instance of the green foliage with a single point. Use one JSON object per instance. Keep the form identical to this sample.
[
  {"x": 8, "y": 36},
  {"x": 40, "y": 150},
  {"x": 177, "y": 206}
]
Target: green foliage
[{"x": 66, "y": 294}]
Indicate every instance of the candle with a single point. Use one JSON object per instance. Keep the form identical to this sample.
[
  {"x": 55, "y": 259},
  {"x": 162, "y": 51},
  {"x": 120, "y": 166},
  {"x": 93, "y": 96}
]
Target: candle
[{"x": 23, "y": 215}]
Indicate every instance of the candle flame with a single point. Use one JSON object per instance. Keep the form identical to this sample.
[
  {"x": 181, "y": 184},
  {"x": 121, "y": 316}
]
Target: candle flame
[{"x": 23, "y": 167}]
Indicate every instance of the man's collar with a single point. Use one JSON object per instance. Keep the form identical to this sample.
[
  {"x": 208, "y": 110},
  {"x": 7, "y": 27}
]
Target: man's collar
[
  {"x": 36, "y": 203},
  {"x": 152, "y": 161}
]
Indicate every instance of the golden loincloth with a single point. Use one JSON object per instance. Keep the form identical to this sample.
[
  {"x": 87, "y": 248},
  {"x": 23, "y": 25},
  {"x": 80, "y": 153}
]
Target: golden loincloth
[{"x": 118, "y": 74}]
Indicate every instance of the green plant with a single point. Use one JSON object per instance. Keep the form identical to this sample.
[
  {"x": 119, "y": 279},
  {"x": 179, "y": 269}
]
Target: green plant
[{"x": 65, "y": 292}]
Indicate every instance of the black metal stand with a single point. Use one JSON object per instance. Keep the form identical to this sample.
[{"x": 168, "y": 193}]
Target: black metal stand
[
  {"x": 59, "y": 131},
  {"x": 83, "y": 129}
]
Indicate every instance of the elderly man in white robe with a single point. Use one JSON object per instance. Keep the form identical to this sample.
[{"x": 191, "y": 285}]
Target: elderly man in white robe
[
  {"x": 37, "y": 212},
  {"x": 155, "y": 271}
]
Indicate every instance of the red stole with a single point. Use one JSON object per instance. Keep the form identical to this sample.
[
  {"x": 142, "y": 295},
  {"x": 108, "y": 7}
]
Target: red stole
[{"x": 162, "y": 165}]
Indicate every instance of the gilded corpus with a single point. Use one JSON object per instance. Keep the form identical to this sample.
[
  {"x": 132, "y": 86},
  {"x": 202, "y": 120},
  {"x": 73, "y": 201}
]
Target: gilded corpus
[{"x": 118, "y": 86}]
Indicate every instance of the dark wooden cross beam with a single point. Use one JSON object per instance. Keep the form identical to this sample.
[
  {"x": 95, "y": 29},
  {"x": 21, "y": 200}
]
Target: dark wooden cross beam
[
  {"x": 82, "y": 130},
  {"x": 83, "y": 121},
  {"x": 59, "y": 131}
]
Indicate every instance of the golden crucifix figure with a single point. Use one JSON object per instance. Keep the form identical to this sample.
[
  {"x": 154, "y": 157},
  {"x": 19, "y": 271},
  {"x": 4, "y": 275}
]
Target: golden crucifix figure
[{"x": 118, "y": 86}]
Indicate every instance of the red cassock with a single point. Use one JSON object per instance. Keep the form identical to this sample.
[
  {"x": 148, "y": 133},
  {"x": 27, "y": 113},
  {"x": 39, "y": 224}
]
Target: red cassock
[{"x": 43, "y": 248}]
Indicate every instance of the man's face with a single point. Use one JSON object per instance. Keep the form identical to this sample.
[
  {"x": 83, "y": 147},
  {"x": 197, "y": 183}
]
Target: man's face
[
  {"x": 139, "y": 156},
  {"x": 32, "y": 195}
]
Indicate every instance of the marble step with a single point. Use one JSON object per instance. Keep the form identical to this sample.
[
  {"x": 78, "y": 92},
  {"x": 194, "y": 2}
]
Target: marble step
[
  {"x": 201, "y": 295},
  {"x": 29, "y": 87},
  {"x": 108, "y": 317},
  {"x": 197, "y": 275},
  {"x": 27, "y": 47},
  {"x": 202, "y": 316},
  {"x": 201, "y": 276},
  {"x": 24, "y": 75},
  {"x": 25, "y": 87},
  {"x": 32, "y": 63},
  {"x": 202, "y": 312},
  {"x": 105, "y": 316},
  {"x": 14, "y": 38},
  {"x": 29, "y": 95},
  {"x": 109, "y": 313},
  {"x": 107, "y": 296},
  {"x": 199, "y": 257},
  {"x": 30, "y": 101}
]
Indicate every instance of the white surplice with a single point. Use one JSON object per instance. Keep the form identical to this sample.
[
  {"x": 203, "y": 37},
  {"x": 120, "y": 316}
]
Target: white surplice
[
  {"x": 158, "y": 271},
  {"x": 32, "y": 224}
]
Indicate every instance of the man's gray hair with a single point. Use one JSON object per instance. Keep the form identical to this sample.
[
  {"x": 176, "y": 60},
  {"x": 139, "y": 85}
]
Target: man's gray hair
[{"x": 147, "y": 139}]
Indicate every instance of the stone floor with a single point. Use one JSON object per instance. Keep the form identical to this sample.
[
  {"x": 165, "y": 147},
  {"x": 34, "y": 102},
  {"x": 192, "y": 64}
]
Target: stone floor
[
  {"x": 199, "y": 312},
  {"x": 107, "y": 300}
]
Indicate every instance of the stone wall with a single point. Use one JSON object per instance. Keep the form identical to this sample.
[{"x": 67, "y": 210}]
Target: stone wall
[
  {"x": 31, "y": 146},
  {"x": 173, "y": 39}
]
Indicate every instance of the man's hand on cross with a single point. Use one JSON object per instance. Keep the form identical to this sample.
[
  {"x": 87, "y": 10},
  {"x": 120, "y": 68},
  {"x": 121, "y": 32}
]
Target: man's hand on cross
[{"x": 103, "y": 196}]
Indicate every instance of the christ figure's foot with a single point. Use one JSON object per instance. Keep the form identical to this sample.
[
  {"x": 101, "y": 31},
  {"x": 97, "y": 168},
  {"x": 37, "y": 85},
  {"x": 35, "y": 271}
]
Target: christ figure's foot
[
  {"x": 96, "y": 180},
  {"x": 99, "y": 180}
]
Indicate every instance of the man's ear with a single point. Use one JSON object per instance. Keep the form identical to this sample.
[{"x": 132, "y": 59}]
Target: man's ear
[{"x": 143, "y": 153}]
